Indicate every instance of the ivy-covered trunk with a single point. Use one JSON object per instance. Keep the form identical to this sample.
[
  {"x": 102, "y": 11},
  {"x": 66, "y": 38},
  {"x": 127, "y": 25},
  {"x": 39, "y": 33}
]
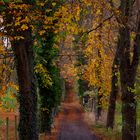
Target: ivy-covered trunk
[
  {"x": 45, "y": 115},
  {"x": 27, "y": 87}
]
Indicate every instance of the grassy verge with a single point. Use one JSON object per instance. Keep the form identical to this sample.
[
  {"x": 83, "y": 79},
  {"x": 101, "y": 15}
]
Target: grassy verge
[
  {"x": 106, "y": 134},
  {"x": 115, "y": 134}
]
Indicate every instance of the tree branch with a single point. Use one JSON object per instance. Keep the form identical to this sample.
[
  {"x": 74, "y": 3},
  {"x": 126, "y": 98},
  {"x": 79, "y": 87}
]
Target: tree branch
[{"x": 99, "y": 25}]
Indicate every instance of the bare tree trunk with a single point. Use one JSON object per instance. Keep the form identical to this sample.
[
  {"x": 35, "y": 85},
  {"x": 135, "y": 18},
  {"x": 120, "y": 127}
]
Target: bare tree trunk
[
  {"x": 99, "y": 95},
  {"x": 113, "y": 96},
  {"x": 114, "y": 91}
]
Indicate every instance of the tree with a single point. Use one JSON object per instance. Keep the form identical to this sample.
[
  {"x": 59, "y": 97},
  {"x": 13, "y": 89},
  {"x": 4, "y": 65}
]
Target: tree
[
  {"x": 114, "y": 91},
  {"x": 47, "y": 73},
  {"x": 128, "y": 69},
  {"x": 21, "y": 42}
]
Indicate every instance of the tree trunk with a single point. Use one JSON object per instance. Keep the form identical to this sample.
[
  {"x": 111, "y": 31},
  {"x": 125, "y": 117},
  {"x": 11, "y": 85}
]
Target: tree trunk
[
  {"x": 128, "y": 71},
  {"x": 128, "y": 104},
  {"x": 128, "y": 114},
  {"x": 128, "y": 78},
  {"x": 113, "y": 96},
  {"x": 45, "y": 109},
  {"x": 27, "y": 87},
  {"x": 114, "y": 91}
]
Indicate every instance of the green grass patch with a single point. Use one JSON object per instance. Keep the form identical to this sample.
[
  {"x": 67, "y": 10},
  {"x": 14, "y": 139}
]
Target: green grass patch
[{"x": 106, "y": 134}]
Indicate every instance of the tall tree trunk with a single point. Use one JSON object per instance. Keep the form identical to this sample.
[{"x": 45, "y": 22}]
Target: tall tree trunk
[
  {"x": 25, "y": 70},
  {"x": 114, "y": 91},
  {"x": 27, "y": 87},
  {"x": 113, "y": 96},
  {"x": 100, "y": 94},
  {"x": 128, "y": 108},
  {"x": 128, "y": 78},
  {"x": 128, "y": 71}
]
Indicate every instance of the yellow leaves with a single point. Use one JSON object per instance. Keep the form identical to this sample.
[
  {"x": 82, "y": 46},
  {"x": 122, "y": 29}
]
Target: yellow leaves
[
  {"x": 21, "y": 23},
  {"x": 18, "y": 37},
  {"x": 17, "y": 21},
  {"x": 26, "y": 19},
  {"x": 20, "y": 6},
  {"x": 14, "y": 86},
  {"x": 2, "y": 50},
  {"x": 115, "y": 66},
  {"x": 70, "y": 14},
  {"x": 48, "y": 10},
  {"x": 42, "y": 4},
  {"x": 98, "y": 69},
  {"x": 24, "y": 27},
  {"x": 98, "y": 11},
  {"x": 8, "y": 101},
  {"x": 88, "y": 2},
  {"x": 53, "y": 4},
  {"x": 42, "y": 32},
  {"x": 44, "y": 75}
]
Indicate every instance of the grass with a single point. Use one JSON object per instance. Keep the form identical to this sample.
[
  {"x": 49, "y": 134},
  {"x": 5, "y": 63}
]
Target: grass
[
  {"x": 106, "y": 134},
  {"x": 109, "y": 134}
]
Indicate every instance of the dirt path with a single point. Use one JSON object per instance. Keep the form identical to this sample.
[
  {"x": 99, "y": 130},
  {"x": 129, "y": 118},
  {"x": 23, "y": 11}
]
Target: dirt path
[
  {"x": 72, "y": 126},
  {"x": 69, "y": 124}
]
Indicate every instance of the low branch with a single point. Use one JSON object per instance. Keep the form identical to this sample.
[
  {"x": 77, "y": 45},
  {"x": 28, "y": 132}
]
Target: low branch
[{"x": 99, "y": 25}]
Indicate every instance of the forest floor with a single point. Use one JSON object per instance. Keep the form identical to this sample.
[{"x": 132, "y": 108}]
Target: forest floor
[{"x": 70, "y": 124}]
